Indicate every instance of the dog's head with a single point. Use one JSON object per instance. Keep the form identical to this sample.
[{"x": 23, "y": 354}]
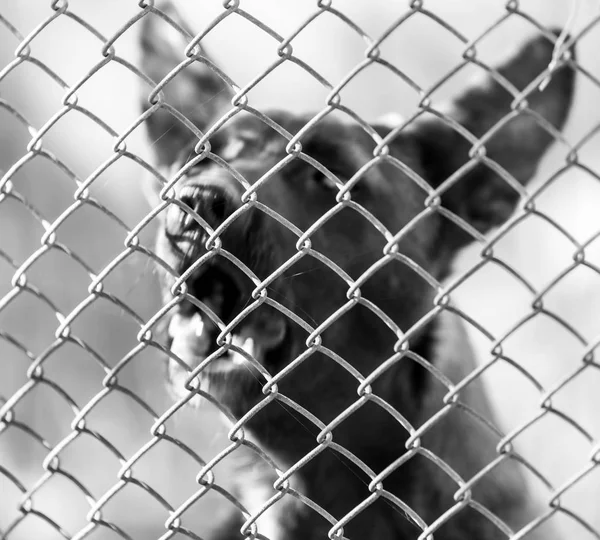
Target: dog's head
[{"x": 300, "y": 188}]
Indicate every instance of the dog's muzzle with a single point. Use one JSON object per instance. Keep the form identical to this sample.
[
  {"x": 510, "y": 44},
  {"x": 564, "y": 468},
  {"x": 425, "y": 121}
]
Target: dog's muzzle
[
  {"x": 213, "y": 204},
  {"x": 222, "y": 289}
]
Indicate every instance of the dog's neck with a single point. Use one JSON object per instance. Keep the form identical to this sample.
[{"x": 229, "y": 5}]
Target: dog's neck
[{"x": 420, "y": 483}]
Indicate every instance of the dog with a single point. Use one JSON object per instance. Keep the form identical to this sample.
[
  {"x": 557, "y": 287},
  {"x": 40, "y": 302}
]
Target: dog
[{"x": 247, "y": 215}]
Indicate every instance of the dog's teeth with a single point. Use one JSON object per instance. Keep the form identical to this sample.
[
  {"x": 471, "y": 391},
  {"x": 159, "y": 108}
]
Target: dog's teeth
[
  {"x": 250, "y": 347},
  {"x": 198, "y": 323},
  {"x": 238, "y": 341},
  {"x": 188, "y": 337},
  {"x": 236, "y": 357},
  {"x": 174, "y": 323}
]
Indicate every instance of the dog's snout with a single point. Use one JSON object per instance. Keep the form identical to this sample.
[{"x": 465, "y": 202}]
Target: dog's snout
[{"x": 212, "y": 204}]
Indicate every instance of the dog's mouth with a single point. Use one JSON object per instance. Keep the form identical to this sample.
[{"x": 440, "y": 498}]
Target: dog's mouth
[{"x": 258, "y": 338}]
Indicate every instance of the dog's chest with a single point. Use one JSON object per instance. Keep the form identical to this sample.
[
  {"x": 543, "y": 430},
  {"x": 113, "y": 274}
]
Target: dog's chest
[{"x": 255, "y": 489}]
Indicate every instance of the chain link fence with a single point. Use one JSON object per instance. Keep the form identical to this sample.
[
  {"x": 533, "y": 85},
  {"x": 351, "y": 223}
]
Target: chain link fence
[{"x": 92, "y": 443}]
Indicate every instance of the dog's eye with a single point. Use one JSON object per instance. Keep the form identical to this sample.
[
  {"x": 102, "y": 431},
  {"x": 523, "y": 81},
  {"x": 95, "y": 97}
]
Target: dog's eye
[{"x": 324, "y": 181}]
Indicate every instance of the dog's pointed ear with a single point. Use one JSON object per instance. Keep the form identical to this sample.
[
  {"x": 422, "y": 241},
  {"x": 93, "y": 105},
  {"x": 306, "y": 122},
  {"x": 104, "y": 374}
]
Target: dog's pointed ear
[
  {"x": 196, "y": 91},
  {"x": 515, "y": 142}
]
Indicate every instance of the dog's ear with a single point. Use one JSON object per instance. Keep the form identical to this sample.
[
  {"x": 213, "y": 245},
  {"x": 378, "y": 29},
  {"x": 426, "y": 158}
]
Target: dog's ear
[
  {"x": 197, "y": 91},
  {"x": 481, "y": 196}
]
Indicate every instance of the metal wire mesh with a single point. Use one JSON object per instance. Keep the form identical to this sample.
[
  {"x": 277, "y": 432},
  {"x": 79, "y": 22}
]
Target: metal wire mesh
[{"x": 36, "y": 363}]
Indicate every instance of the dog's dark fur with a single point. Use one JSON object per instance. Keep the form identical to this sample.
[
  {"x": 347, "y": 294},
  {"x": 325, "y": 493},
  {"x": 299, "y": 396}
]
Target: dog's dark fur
[{"x": 301, "y": 194}]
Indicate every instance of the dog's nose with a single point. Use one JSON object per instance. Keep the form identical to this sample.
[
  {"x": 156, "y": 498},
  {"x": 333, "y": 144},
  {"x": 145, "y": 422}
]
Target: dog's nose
[{"x": 212, "y": 204}]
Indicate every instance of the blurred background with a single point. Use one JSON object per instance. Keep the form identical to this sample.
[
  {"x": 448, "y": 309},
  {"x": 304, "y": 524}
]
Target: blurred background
[{"x": 42, "y": 415}]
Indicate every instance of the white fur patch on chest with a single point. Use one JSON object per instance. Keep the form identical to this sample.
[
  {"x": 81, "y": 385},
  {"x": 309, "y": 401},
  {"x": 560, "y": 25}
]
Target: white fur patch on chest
[{"x": 256, "y": 488}]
